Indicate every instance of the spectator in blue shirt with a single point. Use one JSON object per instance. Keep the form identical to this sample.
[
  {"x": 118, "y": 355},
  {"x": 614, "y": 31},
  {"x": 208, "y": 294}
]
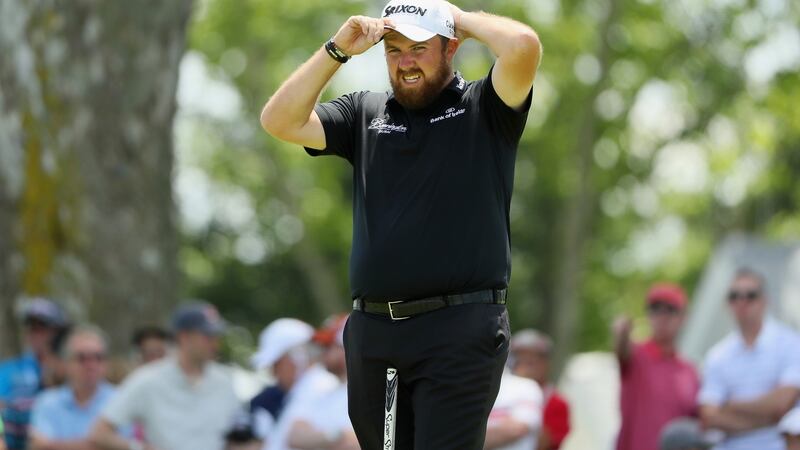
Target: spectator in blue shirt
[
  {"x": 62, "y": 417},
  {"x": 21, "y": 377}
]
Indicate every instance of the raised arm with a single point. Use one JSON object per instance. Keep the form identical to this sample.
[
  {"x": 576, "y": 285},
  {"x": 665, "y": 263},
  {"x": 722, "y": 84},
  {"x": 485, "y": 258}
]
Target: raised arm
[
  {"x": 622, "y": 338},
  {"x": 515, "y": 45},
  {"x": 289, "y": 115}
]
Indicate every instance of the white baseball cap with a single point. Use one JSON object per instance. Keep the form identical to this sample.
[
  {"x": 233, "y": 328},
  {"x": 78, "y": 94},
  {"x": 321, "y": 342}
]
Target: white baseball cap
[
  {"x": 278, "y": 338},
  {"x": 420, "y": 20}
]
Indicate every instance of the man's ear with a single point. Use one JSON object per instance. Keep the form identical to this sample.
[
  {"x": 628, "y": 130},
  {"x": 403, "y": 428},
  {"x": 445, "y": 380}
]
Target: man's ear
[{"x": 452, "y": 46}]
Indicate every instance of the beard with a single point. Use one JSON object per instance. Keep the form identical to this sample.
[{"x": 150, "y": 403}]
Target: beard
[{"x": 422, "y": 95}]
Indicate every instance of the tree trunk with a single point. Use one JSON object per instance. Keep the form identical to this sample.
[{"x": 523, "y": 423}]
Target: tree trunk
[
  {"x": 86, "y": 109},
  {"x": 579, "y": 207}
]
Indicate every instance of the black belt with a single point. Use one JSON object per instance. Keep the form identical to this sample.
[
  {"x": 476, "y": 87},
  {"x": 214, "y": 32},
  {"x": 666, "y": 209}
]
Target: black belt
[{"x": 404, "y": 309}]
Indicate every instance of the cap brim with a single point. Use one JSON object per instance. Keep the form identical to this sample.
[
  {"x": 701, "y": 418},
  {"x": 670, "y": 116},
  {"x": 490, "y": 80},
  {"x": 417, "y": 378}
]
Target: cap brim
[
  {"x": 413, "y": 32},
  {"x": 264, "y": 359}
]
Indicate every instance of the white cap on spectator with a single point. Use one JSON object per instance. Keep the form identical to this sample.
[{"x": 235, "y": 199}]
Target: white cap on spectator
[
  {"x": 790, "y": 424},
  {"x": 278, "y": 338}
]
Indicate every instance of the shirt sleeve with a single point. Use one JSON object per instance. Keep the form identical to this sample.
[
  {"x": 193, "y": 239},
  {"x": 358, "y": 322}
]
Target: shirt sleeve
[
  {"x": 507, "y": 122},
  {"x": 713, "y": 391},
  {"x": 5, "y": 383},
  {"x": 126, "y": 405},
  {"x": 42, "y": 419},
  {"x": 339, "y": 119}
]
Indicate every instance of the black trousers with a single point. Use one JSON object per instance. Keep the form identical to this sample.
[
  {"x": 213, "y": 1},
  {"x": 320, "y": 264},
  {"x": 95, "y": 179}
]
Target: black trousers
[{"x": 449, "y": 363}]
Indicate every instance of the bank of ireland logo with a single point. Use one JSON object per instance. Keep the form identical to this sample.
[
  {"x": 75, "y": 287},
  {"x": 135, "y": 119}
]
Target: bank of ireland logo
[{"x": 449, "y": 113}]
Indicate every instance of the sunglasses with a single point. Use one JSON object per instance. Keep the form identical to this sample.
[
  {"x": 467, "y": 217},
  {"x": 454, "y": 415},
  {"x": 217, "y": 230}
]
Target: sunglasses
[
  {"x": 85, "y": 357},
  {"x": 662, "y": 308},
  {"x": 750, "y": 296},
  {"x": 36, "y": 324}
]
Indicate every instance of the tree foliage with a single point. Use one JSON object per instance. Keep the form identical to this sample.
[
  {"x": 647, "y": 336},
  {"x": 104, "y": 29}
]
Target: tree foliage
[{"x": 657, "y": 128}]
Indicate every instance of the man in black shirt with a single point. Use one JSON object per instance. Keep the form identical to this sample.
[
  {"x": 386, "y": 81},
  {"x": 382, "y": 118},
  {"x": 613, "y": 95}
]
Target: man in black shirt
[{"x": 433, "y": 168}]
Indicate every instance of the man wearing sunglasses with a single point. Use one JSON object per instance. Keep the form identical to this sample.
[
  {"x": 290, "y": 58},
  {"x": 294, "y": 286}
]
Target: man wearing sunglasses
[
  {"x": 62, "y": 417},
  {"x": 752, "y": 377},
  {"x": 658, "y": 385}
]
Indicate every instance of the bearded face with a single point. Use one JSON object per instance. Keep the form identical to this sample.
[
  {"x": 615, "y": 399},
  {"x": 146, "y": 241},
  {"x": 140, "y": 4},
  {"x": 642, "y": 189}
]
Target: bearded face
[{"x": 418, "y": 71}]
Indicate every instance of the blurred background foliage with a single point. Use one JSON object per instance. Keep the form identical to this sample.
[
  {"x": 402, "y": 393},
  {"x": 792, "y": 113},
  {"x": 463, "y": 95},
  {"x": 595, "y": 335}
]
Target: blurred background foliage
[{"x": 657, "y": 128}]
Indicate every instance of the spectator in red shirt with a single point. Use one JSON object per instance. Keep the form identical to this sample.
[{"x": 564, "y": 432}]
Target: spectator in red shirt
[
  {"x": 657, "y": 384},
  {"x": 530, "y": 358}
]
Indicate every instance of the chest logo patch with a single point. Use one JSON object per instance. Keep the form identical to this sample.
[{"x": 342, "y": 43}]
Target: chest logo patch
[
  {"x": 382, "y": 127},
  {"x": 449, "y": 113}
]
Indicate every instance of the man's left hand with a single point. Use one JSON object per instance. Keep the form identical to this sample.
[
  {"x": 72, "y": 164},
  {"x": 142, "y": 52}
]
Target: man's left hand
[{"x": 457, "y": 12}]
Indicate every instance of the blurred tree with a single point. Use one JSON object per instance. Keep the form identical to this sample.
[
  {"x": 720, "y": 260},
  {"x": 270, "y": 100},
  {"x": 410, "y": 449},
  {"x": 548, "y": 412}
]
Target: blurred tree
[
  {"x": 657, "y": 127},
  {"x": 86, "y": 110}
]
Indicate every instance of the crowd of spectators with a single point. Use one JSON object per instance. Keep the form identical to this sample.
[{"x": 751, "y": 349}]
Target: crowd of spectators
[{"x": 55, "y": 395}]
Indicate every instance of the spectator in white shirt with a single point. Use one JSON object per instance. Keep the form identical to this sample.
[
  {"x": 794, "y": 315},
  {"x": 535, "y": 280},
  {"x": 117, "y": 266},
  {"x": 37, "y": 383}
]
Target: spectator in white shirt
[
  {"x": 285, "y": 347},
  {"x": 322, "y": 423},
  {"x": 752, "y": 377},
  {"x": 516, "y": 416}
]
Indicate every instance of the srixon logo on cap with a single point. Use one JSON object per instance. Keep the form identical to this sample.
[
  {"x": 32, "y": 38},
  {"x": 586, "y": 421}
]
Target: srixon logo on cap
[{"x": 407, "y": 9}]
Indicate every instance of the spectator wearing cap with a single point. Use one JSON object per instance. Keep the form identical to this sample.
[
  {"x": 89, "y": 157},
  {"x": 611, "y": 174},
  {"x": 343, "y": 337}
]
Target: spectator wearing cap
[
  {"x": 790, "y": 429},
  {"x": 22, "y": 378},
  {"x": 151, "y": 343},
  {"x": 184, "y": 401},
  {"x": 285, "y": 348},
  {"x": 322, "y": 422},
  {"x": 752, "y": 376},
  {"x": 657, "y": 384},
  {"x": 683, "y": 434},
  {"x": 529, "y": 357},
  {"x": 62, "y": 416}
]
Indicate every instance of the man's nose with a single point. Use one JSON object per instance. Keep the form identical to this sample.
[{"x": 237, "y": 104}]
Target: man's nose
[{"x": 406, "y": 61}]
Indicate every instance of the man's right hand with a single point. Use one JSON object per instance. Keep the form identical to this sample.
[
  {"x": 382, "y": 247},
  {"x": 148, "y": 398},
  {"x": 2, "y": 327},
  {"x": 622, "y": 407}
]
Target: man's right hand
[{"x": 360, "y": 33}]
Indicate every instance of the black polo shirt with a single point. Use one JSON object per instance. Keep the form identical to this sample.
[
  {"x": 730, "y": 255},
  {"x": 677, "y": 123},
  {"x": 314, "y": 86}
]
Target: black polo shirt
[{"x": 431, "y": 189}]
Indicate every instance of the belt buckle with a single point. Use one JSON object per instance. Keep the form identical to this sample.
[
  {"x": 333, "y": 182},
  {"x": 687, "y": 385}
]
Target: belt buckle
[{"x": 391, "y": 311}]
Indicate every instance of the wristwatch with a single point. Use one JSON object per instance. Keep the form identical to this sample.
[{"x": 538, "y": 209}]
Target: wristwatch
[{"x": 335, "y": 52}]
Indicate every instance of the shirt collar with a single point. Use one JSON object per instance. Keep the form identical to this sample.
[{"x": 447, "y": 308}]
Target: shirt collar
[
  {"x": 764, "y": 335},
  {"x": 655, "y": 350},
  {"x": 456, "y": 87},
  {"x": 69, "y": 396}
]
